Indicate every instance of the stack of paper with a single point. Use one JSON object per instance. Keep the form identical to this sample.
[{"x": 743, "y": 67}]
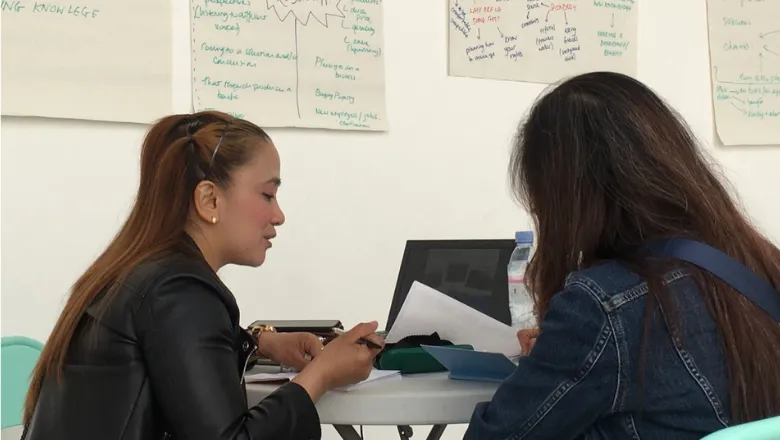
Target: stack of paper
[
  {"x": 373, "y": 378},
  {"x": 427, "y": 310}
]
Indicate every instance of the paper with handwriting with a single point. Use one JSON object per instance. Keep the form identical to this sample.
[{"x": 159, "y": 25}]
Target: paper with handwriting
[
  {"x": 541, "y": 41},
  {"x": 745, "y": 64},
  {"x": 103, "y": 60},
  {"x": 291, "y": 63}
]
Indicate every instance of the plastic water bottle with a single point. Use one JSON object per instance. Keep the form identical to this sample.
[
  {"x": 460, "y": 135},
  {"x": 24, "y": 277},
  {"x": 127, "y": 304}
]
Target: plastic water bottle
[{"x": 521, "y": 305}]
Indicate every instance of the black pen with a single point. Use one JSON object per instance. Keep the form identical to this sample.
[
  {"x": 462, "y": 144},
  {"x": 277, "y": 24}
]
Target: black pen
[{"x": 368, "y": 342}]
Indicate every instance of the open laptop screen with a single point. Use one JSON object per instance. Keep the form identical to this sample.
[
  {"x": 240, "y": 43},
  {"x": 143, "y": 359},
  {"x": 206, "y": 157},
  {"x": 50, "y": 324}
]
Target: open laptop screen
[{"x": 471, "y": 271}]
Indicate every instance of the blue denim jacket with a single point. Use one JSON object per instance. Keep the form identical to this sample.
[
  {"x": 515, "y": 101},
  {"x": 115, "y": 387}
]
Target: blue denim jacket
[{"x": 582, "y": 378}]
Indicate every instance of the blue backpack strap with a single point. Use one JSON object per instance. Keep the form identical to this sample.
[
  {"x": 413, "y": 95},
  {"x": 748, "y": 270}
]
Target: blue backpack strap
[{"x": 729, "y": 270}]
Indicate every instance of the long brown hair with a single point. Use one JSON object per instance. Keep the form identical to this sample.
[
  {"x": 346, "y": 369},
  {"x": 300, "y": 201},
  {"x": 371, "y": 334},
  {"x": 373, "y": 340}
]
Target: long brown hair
[
  {"x": 178, "y": 153},
  {"x": 605, "y": 167}
]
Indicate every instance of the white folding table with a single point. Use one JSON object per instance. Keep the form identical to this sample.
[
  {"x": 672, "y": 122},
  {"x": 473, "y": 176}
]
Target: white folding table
[{"x": 420, "y": 399}]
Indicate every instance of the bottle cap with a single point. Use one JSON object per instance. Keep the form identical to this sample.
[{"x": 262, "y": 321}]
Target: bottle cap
[{"x": 524, "y": 237}]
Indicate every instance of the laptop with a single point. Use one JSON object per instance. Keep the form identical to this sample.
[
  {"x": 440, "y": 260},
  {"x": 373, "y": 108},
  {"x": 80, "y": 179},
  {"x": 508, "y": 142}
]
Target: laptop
[{"x": 473, "y": 272}]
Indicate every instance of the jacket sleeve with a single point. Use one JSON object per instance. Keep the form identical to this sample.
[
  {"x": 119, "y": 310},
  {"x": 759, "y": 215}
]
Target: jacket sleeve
[
  {"x": 567, "y": 382},
  {"x": 187, "y": 338}
]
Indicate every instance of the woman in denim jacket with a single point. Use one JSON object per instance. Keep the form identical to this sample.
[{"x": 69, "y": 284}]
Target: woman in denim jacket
[{"x": 630, "y": 347}]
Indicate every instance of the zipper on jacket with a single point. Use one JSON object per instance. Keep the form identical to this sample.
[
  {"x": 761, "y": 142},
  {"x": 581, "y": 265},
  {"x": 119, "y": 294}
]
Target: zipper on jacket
[
  {"x": 253, "y": 347},
  {"x": 243, "y": 370}
]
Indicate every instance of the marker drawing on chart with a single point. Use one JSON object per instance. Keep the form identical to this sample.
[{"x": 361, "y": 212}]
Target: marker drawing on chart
[
  {"x": 302, "y": 12},
  {"x": 291, "y": 63},
  {"x": 541, "y": 41},
  {"x": 744, "y": 42}
]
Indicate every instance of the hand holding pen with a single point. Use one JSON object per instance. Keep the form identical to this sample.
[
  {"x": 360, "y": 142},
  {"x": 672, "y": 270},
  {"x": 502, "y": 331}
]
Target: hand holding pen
[
  {"x": 346, "y": 360},
  {"x": 368, "y": 342}
]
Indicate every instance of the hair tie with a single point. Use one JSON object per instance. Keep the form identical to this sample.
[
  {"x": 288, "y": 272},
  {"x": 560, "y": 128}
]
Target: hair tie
[{"x": 190, "y": 127}]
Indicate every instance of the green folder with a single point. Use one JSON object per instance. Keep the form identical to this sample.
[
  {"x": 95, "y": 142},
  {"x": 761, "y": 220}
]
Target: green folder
[{"x": 412, "y": 360}]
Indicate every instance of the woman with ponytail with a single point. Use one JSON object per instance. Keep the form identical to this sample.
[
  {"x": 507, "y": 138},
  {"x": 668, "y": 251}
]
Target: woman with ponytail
[{"x": 148, "y": 345}]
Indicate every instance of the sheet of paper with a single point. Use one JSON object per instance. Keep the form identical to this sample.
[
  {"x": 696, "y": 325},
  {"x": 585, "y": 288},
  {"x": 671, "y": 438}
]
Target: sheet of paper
[
  {"x": 745, "y": 64},
  {"x": 300, "y": 63},
  {"x": 105, "y": 60},
  {"x": 373, "y": 378},
  {"x": 269, "y": 377},
  {"x": 541, "y": 41},
  {"x": 427, "y": 310}
]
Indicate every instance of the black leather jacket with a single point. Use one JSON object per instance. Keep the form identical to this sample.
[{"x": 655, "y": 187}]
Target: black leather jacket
[{"x": 165, "y": 360}]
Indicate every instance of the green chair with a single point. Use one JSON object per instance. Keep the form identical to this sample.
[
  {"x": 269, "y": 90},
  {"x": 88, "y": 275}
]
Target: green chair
[
  {"x": 767, "y": 429},
  {"x": 17, "y": 360}
]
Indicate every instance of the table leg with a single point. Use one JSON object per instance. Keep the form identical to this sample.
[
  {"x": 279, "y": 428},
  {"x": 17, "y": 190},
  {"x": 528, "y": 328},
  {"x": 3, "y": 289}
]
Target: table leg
[
  {"x": 436, "y": 432},
  {"x": 347, "y": 432},
  {"x": 405, "y": 432}
]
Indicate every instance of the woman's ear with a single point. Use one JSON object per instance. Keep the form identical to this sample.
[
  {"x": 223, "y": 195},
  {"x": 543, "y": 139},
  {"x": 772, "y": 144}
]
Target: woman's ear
[{"x": 205, "y": 201}]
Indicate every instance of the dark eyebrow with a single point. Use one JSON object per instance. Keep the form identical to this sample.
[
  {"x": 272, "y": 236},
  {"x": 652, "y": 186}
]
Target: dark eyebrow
[{"x": 275, "y": 181}]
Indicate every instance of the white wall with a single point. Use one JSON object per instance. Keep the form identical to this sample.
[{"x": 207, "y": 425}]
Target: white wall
[{"x": 351, "y": 199}]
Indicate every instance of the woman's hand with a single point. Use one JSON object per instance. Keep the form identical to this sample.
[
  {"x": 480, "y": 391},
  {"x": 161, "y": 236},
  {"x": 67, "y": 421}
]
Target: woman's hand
[
  {"x": 527, "y": 338},
  {"x": 344, "y": 361},
  {"x": 293, "y": 350}
]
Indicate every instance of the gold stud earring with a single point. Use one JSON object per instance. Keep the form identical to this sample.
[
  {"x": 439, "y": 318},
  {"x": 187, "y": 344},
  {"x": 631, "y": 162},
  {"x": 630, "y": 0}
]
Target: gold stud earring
[{"x": 213, "y": 220}]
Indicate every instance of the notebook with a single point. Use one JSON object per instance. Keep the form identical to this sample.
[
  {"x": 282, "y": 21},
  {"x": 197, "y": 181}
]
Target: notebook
[
  {"x": 472, "y": 365},
  {"x": 376, "y": 376}
]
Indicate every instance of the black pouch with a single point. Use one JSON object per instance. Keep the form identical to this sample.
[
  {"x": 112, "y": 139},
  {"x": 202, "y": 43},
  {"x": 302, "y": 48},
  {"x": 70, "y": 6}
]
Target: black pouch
[{"x": 408, "y": 357}]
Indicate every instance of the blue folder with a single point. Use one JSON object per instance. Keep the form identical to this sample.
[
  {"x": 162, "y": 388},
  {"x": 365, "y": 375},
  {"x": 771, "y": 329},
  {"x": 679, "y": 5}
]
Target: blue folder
[{"x": 464, "y": 364}]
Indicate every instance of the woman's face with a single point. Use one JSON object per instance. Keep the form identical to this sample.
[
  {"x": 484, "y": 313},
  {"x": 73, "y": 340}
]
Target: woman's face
[{"x": 250, "y": 212}]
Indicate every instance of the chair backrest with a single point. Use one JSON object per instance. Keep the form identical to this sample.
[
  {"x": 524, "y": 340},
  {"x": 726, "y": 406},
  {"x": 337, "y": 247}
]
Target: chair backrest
[
  {"x": 767, "y": 429},
  {"x": 18, "y": 358}
]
